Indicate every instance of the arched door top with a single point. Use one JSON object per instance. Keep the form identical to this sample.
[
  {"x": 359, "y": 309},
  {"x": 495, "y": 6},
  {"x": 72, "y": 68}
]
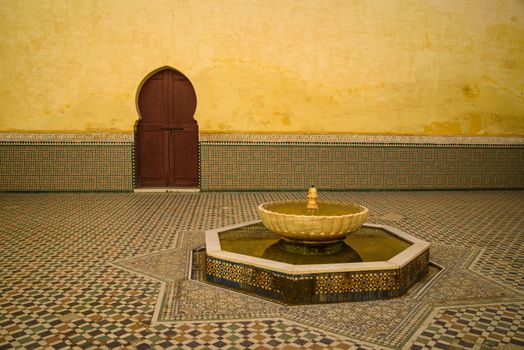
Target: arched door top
[{"x": 176, "y": 95}]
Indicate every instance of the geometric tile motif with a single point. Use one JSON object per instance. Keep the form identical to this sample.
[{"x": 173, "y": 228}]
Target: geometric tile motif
[
  {"x": 385, "y": 323},
  {"x": 471, "y": 220},
  {"x": 306, "y": 288},
  {"x": 185, "y": 299},
  {"x": 414, "y": 270},
  {"x": 357, "y": 282},
  {"x": 366, "y": 321},
  {"x": 446, "y": 141},
  {"x": 473, "y": 327},
  {"x": 190, "y": 300},
  {"x": 458, "y": 284},
  {"x": 504, "y": 262},
  {"x": 79, "y": 308},
  {"x": 260, "y": 335},
  {"x": 389, "y": 322},
  {"x": 58, "y": 290},
  {"x": 244, "y": 275},
  {"x": 104, "y": 162},
  {"x": 63, "y": 166},
  {"x": 235, "y": 166},
  {"x": 171, "y": 264}
]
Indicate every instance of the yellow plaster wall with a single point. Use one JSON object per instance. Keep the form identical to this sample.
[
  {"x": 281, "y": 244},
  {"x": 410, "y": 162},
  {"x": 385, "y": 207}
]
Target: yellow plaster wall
[{"x": 435, "y": 67}]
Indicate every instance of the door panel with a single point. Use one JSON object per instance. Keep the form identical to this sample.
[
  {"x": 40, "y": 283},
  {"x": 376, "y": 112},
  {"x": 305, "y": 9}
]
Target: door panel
[
  {"x": 184, "y": 102},
  {"x": 153, "y": 147},
  {"x": 152, "y": 102},
  {"x": 167, "y": 134},
  {"x": 185, "y": 173}
]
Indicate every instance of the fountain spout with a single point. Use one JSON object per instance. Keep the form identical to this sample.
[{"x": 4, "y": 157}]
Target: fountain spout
[{"x": 312, "y": 206}]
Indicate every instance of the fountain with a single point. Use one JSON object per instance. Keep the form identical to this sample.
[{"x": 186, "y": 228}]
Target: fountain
[
  {"x": 315, "y": 252},
  {"x": 311, "y": 225}
]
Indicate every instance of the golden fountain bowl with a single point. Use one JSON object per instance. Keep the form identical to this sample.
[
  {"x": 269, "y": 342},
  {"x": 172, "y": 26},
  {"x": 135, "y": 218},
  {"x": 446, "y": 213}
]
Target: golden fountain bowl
[{"x": 332, "y": 222}]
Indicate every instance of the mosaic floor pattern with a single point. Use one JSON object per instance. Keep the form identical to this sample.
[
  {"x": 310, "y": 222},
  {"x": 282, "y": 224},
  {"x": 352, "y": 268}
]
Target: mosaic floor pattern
[{"x": 110, "y": 271}]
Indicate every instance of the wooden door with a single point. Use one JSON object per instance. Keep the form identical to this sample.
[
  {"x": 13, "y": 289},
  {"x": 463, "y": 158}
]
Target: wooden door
[{"x": 166, "y": 134}]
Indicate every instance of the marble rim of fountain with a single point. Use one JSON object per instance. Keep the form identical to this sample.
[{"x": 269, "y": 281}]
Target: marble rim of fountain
[
  {"x": 417, "y": 247},
  {"x": 312, "y": 229}
]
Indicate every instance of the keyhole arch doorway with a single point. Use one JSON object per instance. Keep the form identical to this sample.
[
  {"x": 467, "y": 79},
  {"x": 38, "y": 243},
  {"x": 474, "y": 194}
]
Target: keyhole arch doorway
[{"x": 166, "y": 133}]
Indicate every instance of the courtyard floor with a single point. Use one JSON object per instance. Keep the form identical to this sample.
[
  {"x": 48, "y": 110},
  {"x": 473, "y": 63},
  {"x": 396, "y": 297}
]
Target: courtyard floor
[{"x": 109, "y": 270}]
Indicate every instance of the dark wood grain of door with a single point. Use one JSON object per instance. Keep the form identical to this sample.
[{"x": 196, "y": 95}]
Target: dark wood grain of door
[{"x": 166, "y": 134}]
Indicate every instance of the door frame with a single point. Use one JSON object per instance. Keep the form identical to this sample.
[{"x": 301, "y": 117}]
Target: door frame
[{"x": 135, "y": 155}]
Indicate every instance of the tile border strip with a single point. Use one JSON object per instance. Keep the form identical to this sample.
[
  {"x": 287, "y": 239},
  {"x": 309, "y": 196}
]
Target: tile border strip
[
  {"x": 337, "y": 139},
  {"x": 66, "y": 138},
  {"x": 362, "y": 144},
  {"x": 253, "y": 138}
]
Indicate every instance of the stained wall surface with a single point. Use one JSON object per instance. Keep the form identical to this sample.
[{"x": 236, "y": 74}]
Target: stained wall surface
[{"x": 441, "y": 67}]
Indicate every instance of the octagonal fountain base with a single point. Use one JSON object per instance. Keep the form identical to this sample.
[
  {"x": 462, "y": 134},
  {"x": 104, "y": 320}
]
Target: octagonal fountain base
[{"x": 375, "y": 262}]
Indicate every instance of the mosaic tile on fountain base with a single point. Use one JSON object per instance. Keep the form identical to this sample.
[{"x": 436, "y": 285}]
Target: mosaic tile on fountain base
[{"x": 304, "y": 288}]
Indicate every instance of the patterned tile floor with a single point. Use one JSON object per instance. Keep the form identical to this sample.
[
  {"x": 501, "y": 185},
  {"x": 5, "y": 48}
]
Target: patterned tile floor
[{"x": 109, "y": 271}]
